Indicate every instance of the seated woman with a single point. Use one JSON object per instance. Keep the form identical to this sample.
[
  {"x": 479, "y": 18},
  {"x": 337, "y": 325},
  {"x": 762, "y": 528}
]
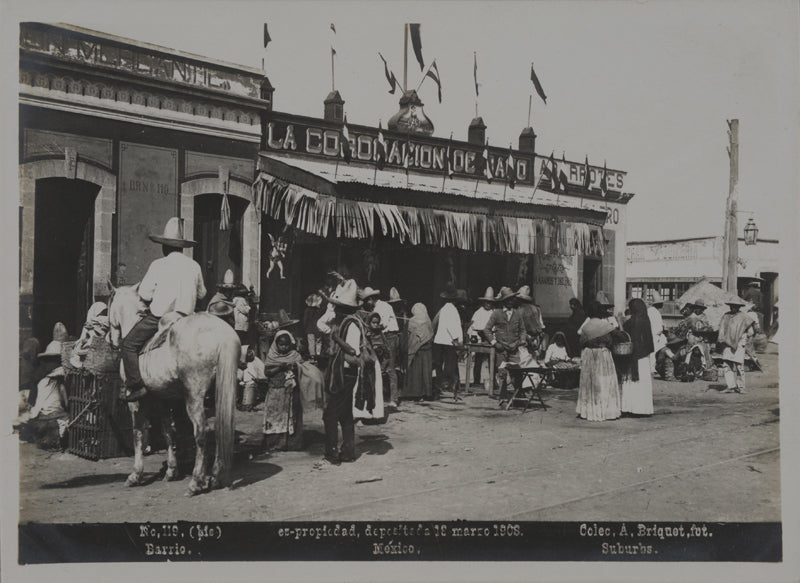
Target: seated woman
[
  {"x": 557, "y": 351},
  {"x": 283, "y": 409}
]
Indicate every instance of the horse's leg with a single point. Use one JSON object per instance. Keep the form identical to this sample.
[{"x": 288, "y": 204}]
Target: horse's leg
[
  {"x": 168, "y": 429},
  {"x": 194, "y": 407},
  {"x": 138, "y": 418}
]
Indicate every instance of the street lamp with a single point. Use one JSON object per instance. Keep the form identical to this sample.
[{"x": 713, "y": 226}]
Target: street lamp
[{"x": 750, "y": 232}]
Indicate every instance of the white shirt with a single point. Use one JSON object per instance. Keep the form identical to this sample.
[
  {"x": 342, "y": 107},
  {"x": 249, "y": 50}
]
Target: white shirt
[
  {"x": 556, "y": 352},
  {"x": 353, "y": 339},
  {"x": 48, "y": 395},
  {"x": 172, "y": 283},
  {"x": 479, "y": 320},
  {"x": 656, "y": 322},
  {"x": 610, "y": 319},
  {"x": 388, "y": 319},
  {"x": 241, "y": 311},
  {"x": 449, "y": 328}
]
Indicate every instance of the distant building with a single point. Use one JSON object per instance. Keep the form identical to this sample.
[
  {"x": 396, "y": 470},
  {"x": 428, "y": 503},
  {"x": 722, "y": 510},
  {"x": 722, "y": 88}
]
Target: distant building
[{"x": 671, "y": 267}]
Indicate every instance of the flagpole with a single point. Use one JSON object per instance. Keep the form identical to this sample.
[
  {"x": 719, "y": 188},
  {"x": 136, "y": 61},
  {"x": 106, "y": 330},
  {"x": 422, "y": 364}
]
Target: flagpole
[
  {"x": 425, "y": 75},
  {"x": 505, "y": 183},
  {"x": 530, "y": 99},
  {"x": 408, "y": 150},
  {"x": 447, "y": 162},
  {"x": 333, "y": 85},
  {"x": 375, "y": 176},
  {"x": 536, "y": 186},
  {"x": 405, "y": 59}
]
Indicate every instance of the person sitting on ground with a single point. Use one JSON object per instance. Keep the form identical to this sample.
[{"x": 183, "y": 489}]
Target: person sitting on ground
[
  {"x": 557, "y": 351},
  {"x": 172, "y": 283},
  {"x": 48, "y": 421},
  {"x": 252, "y": 374}
]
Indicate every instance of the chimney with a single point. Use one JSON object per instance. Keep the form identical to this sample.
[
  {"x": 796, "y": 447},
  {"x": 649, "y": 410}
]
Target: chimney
[
  {"x": 334, "y": 107},
  {"x": 527, "y": 141},
  {"x": 476, "y": 134}
]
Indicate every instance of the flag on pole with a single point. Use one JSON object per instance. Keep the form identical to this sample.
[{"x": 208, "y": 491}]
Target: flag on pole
[
  {"x": 554, "y": 177},
  {"x": 482, "y": 165},
  {"x": 333, "y": 28},
  {"x": 433, "y": 73},
  {"x": 537, "y": 85},
  {"x": 511, "y": 168},
  {"x": 587, "y": 179},
  {"x": 345, "y": 151},
  {"x": 380, "y": 149},
  {"x": 449, "y": 164},
  {"x": 333, "y": 51},
  {"x": 562, "y": 176},
  {"x": 475, "y": 71},
  {"x": 603, "y": 185},
  {"x": 267, "y": 38},
  {"x": 416, "y": 42},
  {"x": 389, "y": 75}
]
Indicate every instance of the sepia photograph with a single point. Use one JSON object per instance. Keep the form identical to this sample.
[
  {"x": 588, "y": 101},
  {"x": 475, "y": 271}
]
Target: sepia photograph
[{"x": 401, "y": 291}]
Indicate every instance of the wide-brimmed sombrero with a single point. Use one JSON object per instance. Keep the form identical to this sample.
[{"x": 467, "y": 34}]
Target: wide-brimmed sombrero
[
  {"x": 173, "y": 235},
  {"x": 345, "y": 294},
  {"x": 284, "y": 321},
  {"x": 488, "y": 296}
]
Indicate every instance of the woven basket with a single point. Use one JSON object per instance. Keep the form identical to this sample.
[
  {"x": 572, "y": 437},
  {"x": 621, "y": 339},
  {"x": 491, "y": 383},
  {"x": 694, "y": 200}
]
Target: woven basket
[
  {"x": 623, "y": 348},
  {"x": 99, "y": 358}
]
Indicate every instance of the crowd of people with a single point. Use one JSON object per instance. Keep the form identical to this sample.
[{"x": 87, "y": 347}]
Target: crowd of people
[{"x": 358, "y": 355}]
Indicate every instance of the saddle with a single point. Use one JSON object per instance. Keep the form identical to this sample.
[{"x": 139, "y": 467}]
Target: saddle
[{"x": 164, "y": 326}]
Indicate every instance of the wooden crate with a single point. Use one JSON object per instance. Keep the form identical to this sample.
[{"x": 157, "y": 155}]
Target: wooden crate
[{"x": 102, "y": 426}]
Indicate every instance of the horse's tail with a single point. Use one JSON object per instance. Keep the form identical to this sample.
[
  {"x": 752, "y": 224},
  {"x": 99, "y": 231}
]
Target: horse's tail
[{"x": 227, "y": 366}]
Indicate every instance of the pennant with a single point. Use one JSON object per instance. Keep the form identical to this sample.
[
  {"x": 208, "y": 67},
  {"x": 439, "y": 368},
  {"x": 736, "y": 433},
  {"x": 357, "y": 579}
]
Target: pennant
[
  {"x": 603, "y": 185},
  {"x": 267, "y": 38},
  {"x": 380, "y": 149},
  {"x": 482, "y": 165},
  {"x": 333, "y": 51},
  {"x": 433, "y": 73},
  {"x": 225, "y": 210},
  {"x": 511, "y": 169},
  {"x": 416, "y": 42},
  {"x": 554, "y": 178},
  {"x": 449, "y": 167},
  {"x": 537, "y": 85},
  {"x": 333, "y": 28},
  {"x": 345, "y": 151},
  {"x": 587, "y": 179},
  {"x": 389, "y": 75},
  {"x": 475, "y": 71},
  {"x": 562, "y": 176}
]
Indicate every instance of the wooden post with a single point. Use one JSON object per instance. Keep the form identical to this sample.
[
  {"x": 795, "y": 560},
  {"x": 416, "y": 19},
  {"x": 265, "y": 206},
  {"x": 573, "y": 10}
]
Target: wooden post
[
  {"x": 405, "y": 59},
  {"x": 730, "y": 243}
]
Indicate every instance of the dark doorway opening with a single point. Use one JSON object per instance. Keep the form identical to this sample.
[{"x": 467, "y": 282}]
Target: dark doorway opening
[
  {"x": 63, "y": 254},
  {"x": 217, "y": 251},
  {"x": 591, "y": 279}
]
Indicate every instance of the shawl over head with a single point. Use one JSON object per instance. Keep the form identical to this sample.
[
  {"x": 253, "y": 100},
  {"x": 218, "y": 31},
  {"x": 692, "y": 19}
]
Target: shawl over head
[
  {"x": 420, "y": 329},
  {"x": 595, "y": 328},
  {"x": 639, "y": 329},
  {"x": 275, "y": 358}
]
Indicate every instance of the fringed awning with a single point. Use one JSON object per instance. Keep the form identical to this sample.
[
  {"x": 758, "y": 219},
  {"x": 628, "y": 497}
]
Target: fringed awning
[{"x": 322, "y": 214}]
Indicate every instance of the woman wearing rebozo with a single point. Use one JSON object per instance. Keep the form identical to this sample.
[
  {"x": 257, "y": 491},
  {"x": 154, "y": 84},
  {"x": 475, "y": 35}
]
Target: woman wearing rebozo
[
  {"x": 598, "y": 393},
  {"x": 186, "y": 356}
]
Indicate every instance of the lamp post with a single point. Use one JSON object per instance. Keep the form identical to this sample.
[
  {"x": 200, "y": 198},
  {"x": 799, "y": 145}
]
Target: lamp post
[{"x": 750, "y": 232}]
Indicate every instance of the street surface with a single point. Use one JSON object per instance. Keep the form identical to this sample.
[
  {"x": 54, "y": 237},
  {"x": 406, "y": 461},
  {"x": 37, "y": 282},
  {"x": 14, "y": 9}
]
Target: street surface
[{"x": 703, "y": 456}]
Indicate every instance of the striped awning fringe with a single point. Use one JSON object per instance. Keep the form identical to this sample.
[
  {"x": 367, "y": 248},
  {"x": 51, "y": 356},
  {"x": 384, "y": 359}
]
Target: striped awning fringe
[{"x": 320, "y": 215}]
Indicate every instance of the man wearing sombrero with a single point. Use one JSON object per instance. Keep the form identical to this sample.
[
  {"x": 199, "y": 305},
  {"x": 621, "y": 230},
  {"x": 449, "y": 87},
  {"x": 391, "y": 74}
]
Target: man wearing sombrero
[
  {"x": 172, "y": 283},
  {"x": 735, "y": 329}
]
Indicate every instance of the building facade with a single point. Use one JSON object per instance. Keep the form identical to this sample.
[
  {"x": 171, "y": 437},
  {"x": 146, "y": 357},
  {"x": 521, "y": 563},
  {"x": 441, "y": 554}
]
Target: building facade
[
  {"x": 116, "y": 137},
  {"x": 672, "y": 266}
]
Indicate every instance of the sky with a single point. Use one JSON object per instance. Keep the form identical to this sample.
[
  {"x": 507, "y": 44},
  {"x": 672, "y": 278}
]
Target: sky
[{"x": 645, "y": 87}]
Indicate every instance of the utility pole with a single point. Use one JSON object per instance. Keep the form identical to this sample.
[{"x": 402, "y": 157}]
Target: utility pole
[{"x": 730, "y": 240}]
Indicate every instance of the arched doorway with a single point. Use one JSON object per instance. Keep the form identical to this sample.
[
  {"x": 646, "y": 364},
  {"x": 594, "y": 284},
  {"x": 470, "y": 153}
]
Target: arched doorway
[
  {"x": 217, "y": 251},
  {"x": 63, "y": 254}
]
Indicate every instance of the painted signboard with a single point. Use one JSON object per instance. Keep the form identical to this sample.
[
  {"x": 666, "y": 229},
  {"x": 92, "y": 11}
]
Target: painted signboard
[
  {"x": 430, "y": 155},
  {"x": 555, "y": 282},
  {"x": 148, "y": 197}
]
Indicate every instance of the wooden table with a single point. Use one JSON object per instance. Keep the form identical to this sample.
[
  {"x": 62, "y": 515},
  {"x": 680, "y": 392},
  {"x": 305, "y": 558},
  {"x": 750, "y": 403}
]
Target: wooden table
[
  {"x": 518, "y": 374},
  {"x": 481, "y": 348}
]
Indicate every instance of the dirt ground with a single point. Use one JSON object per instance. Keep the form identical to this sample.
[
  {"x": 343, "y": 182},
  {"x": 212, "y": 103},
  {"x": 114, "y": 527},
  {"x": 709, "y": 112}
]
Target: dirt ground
[{"x": 703, "y": 456}]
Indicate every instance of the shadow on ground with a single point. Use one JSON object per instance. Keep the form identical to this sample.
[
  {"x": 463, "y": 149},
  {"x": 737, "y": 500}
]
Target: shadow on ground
[
  {"x": 95, "y": 480},
  {"x": 254, "y": 472}
]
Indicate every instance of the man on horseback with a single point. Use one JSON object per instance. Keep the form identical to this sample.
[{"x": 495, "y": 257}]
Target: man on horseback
[{"x": 172, "y": 283}]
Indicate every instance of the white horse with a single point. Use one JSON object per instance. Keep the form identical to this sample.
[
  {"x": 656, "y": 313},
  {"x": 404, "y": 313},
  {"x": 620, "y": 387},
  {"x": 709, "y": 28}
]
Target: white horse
[{"x": 198, "y": 350}]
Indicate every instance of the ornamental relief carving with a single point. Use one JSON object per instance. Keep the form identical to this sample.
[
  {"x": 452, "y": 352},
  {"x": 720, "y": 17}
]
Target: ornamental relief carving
[{"x": 127, "y": 95}]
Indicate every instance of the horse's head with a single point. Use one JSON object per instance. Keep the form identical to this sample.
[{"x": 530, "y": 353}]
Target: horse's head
[{"x": 124, "y": 305}]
